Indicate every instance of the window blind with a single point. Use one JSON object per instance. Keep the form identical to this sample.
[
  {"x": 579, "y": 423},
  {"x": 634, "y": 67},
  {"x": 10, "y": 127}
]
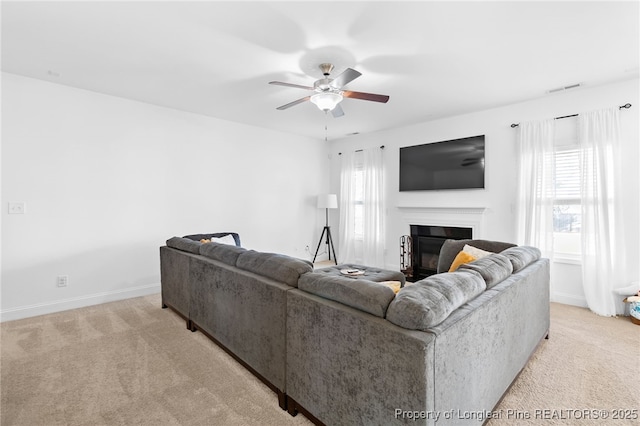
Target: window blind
[{"x": 567, "y": 176}]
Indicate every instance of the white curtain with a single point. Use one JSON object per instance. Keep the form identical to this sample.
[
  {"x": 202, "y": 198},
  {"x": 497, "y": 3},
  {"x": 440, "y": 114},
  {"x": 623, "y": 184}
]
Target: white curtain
[
  {"x": 362, "y": 221},
  {"x": 347, "y": 245},
  {"x": 536, "y": 169},
  {"x": 373, "y": 208},
  {"x": 602, "y": 238}
]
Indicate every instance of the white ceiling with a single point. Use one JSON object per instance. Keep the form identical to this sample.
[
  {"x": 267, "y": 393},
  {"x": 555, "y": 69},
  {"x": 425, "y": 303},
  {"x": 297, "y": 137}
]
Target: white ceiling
[{"x": 434, "y": 59}]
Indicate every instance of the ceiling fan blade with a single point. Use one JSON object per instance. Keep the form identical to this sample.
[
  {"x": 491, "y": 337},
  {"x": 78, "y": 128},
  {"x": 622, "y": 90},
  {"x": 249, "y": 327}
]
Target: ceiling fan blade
[
  {"x": 294, "y": 103},
  {"x": 337, "y": 111},
  {"x": 280, "y": 83},
  {"x": 345, "y": 78},
  {"x": 365, "y": 96}
]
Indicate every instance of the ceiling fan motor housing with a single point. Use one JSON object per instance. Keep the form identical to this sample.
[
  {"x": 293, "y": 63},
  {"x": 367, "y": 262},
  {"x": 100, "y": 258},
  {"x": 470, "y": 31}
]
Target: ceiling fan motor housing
[{"x": 323, "y": 85}]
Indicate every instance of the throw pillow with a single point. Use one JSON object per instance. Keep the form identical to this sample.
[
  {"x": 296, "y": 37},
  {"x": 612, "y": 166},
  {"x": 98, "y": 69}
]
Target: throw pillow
[
  {"x": 227, "y": 239},
  {"x": 462, "y": 258},
  {"x": 475, "y": 252},
  {"x": 393, "y": 285}
]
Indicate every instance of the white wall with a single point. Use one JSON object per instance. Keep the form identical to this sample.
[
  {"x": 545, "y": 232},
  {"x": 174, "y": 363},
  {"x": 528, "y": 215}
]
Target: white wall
[
  {"x": 107, "y": 180},
  {"x": 499, "y": 196}
]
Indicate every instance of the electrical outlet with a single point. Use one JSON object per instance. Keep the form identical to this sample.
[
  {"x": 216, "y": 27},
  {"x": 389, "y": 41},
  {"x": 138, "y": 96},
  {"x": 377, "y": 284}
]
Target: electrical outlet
[
  {"x": 16, "y": 207},
  {"x": 63, "y": 280}
]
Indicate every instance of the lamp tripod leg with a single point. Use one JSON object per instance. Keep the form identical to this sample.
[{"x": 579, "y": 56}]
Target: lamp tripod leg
[
  {"x": 319, "y": 243},
  {"x": 331, "y": 246}
]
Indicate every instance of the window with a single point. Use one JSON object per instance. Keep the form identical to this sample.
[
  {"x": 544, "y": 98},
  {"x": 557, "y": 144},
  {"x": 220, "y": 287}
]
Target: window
[{"x": 567, "y": 215}]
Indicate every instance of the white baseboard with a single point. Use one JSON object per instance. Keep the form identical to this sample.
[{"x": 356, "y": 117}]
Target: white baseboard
[
  {"x": 77, "y": 302},
  {"x": 568, "y": 299}
]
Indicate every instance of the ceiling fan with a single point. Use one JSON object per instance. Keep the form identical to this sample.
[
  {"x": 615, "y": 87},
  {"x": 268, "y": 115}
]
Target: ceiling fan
[{"x": 329, "y": 91}]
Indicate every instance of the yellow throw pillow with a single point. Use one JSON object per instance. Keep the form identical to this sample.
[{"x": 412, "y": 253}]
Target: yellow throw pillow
[
  {"x": 393, "y": 285},
  {"x": 462, "y": 257}
]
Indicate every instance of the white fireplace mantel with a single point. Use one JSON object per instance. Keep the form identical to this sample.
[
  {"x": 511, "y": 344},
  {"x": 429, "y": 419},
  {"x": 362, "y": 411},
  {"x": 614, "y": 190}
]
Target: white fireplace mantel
[{"x": 462, "y": 217}]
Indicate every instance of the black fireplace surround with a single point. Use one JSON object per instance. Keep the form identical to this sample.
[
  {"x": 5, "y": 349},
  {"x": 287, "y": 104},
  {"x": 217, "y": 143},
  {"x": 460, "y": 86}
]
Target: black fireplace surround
[{"x": 427, "y": 241}]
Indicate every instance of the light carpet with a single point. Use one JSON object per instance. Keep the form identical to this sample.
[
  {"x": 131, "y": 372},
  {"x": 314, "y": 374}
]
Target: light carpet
[{"x": 133, "y": 363}]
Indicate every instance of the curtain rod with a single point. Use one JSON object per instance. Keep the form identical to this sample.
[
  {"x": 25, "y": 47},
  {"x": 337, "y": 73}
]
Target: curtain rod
[
  {"x": 626, "y": 106},
  {"x": 360, "y": 150}
]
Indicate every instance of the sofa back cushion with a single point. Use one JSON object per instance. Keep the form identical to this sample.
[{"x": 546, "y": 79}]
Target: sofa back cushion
[
  {"x": 430, "y": 301},
  {"x": 184, "y": 244},
  {"x": 222, "y": 252},
  {"x": 521, "y": 257},
  {"x": 278, "y": 267},
  {"x": 494, "y": 268},
  {"x": 451, "y": 248},
  {"x": 368, "y": 296}
]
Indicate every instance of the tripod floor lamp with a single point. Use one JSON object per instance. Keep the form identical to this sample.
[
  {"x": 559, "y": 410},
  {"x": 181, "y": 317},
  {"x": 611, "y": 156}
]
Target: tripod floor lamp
[{"x": 327, "y": 201}]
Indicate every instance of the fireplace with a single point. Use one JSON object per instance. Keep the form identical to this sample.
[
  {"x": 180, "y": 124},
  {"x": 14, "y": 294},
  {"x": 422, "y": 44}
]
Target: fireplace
[{"x": 427, "y": 241}]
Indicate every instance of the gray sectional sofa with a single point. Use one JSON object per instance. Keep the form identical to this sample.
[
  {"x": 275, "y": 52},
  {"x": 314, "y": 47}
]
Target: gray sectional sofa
[
  {"x": 441, "y": 351},
  {"x": 237, "y": 297}
]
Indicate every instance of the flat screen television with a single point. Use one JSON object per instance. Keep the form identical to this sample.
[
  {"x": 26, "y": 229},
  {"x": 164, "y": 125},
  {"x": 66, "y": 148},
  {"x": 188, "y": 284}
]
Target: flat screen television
[{"x": 452, "y": 164}]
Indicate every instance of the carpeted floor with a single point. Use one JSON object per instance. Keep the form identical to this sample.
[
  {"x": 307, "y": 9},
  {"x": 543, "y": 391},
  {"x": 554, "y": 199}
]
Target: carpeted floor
[
  {"x": 132, "y": 363},
  {"x": 589, "y": 363}
]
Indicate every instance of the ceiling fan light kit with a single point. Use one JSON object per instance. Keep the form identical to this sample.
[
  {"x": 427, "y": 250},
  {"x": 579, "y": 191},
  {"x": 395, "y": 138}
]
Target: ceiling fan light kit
[
  {"x": 326, "y": 101},
  {"x": 329, "y": 91}
]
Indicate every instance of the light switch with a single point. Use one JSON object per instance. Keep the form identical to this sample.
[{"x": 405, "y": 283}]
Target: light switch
[{"x": 16, "y": 207}]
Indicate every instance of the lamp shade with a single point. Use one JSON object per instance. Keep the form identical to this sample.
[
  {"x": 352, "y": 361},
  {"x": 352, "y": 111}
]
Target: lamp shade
[
  {"x": 327, "y": 201},
  {"x": 326, "y": 101}
]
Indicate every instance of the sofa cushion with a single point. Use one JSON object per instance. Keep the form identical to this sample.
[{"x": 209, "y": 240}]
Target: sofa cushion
[
  {"x": 223, "y": 252},
  {"x": 521, "y": 256},
  {"x": 371, "y": 273},
  {"x": 430, "y": 301},
  {"x": 451, "y": 248},
  {"x": 494, "y": 268},
  {"x": 278, "y": 267},
  {"x": 368, "y": 296},
  {"x": 184, "y": 244}
]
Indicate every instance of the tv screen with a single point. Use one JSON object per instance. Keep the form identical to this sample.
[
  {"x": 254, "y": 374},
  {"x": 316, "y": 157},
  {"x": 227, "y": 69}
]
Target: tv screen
[{"x": 453, "y": 164}]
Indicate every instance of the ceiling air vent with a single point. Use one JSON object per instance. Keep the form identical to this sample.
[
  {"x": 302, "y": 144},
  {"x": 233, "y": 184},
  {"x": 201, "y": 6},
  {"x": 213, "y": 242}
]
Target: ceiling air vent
[{"x": 562, "y": 89}]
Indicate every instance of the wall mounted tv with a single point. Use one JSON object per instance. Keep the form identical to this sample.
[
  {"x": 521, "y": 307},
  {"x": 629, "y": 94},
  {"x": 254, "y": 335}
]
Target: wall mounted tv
[{"x": 452, "y": 164}]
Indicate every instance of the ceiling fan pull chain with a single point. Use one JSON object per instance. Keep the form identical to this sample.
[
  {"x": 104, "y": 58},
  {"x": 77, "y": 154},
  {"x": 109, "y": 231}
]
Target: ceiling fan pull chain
[{"x": 326, "y": 132}]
